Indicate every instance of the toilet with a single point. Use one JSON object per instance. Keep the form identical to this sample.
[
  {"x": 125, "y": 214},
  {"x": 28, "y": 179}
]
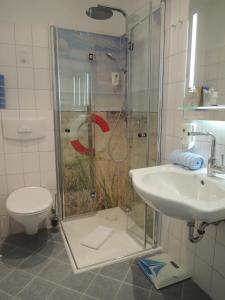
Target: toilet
[{"x": 29, "y": 206}]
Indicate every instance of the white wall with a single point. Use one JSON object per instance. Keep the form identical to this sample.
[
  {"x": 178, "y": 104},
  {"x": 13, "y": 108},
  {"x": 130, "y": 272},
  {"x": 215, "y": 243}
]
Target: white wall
[
  {"x": 206, "y": 259},
  {"x": 25, "y": 62},
  {"x": 66, "y": 13}
]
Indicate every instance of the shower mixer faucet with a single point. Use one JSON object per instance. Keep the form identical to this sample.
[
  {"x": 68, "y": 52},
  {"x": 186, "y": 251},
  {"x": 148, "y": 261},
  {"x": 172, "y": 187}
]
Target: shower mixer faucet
[{"x": 212, "y": 167}]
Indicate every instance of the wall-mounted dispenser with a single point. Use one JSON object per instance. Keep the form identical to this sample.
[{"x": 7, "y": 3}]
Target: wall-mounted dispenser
[
  {"x": 188, "y": 142},
  {"x": 115, "y": 79}
]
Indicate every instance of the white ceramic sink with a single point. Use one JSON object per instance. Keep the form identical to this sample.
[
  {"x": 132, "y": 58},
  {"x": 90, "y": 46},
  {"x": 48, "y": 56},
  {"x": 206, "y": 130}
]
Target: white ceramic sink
[{"x": 182, "y": 194}]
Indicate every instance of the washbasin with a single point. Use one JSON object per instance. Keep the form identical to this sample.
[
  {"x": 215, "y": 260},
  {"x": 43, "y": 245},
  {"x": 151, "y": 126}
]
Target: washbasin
[{"x": 182, "y": 194}]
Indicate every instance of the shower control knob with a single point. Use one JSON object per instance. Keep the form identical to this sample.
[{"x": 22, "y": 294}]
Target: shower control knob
[
  {"x": 142, "y": 134},
  {"x": 67, "y": 130}
]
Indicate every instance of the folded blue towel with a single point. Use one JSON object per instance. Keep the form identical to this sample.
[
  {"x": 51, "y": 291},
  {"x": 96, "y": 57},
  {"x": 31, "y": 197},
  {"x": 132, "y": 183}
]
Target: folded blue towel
[{"x": 187, "y": 160}]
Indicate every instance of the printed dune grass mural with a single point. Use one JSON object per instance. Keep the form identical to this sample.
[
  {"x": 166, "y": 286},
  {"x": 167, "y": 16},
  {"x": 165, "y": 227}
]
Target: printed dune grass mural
[{"x": 95, "y": 182}]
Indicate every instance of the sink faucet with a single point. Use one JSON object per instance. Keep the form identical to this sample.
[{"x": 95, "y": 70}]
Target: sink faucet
[{"x": 212, "y": 167}]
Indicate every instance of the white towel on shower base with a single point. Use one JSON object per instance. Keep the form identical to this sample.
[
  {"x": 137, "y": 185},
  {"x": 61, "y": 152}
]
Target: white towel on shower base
[{"x": 97, "y": 237}]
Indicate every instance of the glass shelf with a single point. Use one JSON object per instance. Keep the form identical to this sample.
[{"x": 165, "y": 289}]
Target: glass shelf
[{"x": 202, "y": 108}]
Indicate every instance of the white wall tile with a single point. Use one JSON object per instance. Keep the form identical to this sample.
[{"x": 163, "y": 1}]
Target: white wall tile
[
  {"x": 15, "y": 181},
  {"x": 47, "y": 143},
  {"x": 48, "y": 179},
  {"x": 7, "y": 55},
  {"x": 47, "y": 161},
  {"x": 23, "y": 34},
  {"x": 30, "y": 162},
  {"x": 11, "y": 146},
  {"x": 25, "y": 78},
  {"x": 43, "y": 99},
  {"x": 14, "y": 164},
  {"x": 220, "y": 236},
  {"x": 219, "y": 258},
  {"x": 24, "y": 56},
  {"x": 28, "y": 114},
  {"x": 202, "y": 274},
  {"x": 40, "y": 35},
  {"x": 2, "y": 164},
  {"x": 7, "y": 33},
  {"x": 42, "y": 79},
  {"x": 174, "y": 249},
  {"x": 218, "y": 286},
  {"x": 3, "y": 185},
  {"x": 29, "y": 146},
  {"x": 12, "y": 99},
  {"x": 27, "y": 99},
  {"x": 10, "y": 77},
  {"x": 32, "y": 179},
  {"x": 187, "y": 259},
  {"x": 205, "y": 249},
  {"x": 41, "y": 57}
]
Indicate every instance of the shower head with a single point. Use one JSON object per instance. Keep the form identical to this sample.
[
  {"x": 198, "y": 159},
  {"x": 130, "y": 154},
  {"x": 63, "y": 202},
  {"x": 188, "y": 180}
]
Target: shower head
[
  {"x": 103, "y": 12},
  {"x": 99, "y": 13},
  {"x": 110, "y": 56}
]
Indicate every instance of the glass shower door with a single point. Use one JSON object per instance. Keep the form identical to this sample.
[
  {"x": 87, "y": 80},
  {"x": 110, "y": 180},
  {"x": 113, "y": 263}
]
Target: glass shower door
[
  {"x": 78, "y": 144},
  {"x": 143, "y": 109}
]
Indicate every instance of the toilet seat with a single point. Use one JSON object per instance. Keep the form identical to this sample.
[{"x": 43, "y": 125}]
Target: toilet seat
[{"x": 29, "y": 200}]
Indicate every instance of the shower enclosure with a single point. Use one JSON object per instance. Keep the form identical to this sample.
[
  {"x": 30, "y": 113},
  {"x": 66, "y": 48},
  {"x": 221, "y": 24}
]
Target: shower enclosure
[{"x": 107, "y": 121}]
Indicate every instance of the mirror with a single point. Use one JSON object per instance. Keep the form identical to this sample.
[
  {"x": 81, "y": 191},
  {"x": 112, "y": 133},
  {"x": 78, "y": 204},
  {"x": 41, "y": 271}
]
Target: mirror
[{"x": 205, "y": 80}]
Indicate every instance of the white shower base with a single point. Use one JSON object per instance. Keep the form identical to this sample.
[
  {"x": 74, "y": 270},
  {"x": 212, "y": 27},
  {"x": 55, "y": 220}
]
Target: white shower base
[{"x": 118, "y": 246}]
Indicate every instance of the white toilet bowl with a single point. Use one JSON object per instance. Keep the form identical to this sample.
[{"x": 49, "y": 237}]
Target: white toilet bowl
[{"x": 29, "y": 206}]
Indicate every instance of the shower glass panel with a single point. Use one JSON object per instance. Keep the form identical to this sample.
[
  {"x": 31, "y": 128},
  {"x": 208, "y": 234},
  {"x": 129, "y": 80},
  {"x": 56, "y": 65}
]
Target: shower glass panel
[
  {"x": 93, "y": 131},
  {"x": 145, "y": 33}
]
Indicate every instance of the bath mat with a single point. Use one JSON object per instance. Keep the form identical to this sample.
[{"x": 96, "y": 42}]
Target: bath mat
[
  {"x": 162, "y": 270},
  {"x": 97, "y": 237}
]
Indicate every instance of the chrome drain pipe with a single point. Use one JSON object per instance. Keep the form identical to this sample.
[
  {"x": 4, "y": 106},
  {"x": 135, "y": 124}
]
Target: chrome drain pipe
[{"x": 194, "y": 238}]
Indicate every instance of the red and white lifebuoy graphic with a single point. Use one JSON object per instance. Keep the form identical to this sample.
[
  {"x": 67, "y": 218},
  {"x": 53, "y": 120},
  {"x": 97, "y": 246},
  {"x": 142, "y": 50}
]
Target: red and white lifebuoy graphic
[{"x": 74, "y": 133}]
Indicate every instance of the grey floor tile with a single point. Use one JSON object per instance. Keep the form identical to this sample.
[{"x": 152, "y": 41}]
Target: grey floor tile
[
  {"x": 6, "y": 248},
  {"x": 57, "y": 237},
  {"x": 86, "y": 297},
  {"x": 16, "y": 257},
  {"x": 63, "y": 257},
  {"x": 192, "y": 291},
  {"x": 34, "y": 263},
  {"x": 55, "y": 271},
  {"x": 50, "y": 249},
  {"x": 131, "y": 292},
  {"x": 156, "y": 296},
  {"x": 14, "y": 282},
  {"x": 4, "y": 296},
  {"x": 103, "y": 288},
  {"x": 4, "y": 270},
  {"x": 64, "y": 294},
  {"x": 136, "y": 277},
  {"x": 33, "y": 244},
  {"x": 37, "y": 289},
  {"x": 16, "y": 239},
  {"x": 173, "y": 291},
  {"x": 117, "y": 271},
  {"x": 78, "y": 282}
]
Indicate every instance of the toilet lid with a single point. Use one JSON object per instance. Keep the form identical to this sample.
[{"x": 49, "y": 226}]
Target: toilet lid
[{"x": 29, "y": 200}]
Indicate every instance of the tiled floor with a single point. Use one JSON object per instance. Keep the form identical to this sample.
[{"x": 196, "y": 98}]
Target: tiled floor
[{"x": 37, "y": 268}]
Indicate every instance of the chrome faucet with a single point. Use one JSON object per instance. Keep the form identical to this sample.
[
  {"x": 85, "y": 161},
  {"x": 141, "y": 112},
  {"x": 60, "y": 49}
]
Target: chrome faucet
[{"x": 212, "y": 167}]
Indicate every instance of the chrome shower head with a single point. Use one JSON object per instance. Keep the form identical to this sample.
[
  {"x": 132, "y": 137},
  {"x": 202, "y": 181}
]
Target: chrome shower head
[
  {"x": 99, "y": 12},
  {"x": 103, "y": 12}
]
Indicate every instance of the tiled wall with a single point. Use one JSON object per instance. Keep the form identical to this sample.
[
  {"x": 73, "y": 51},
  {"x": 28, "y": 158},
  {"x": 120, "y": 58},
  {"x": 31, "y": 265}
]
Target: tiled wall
[
  {"x": 206, "y": 259},
  {"x": 25, "y": 63}
]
